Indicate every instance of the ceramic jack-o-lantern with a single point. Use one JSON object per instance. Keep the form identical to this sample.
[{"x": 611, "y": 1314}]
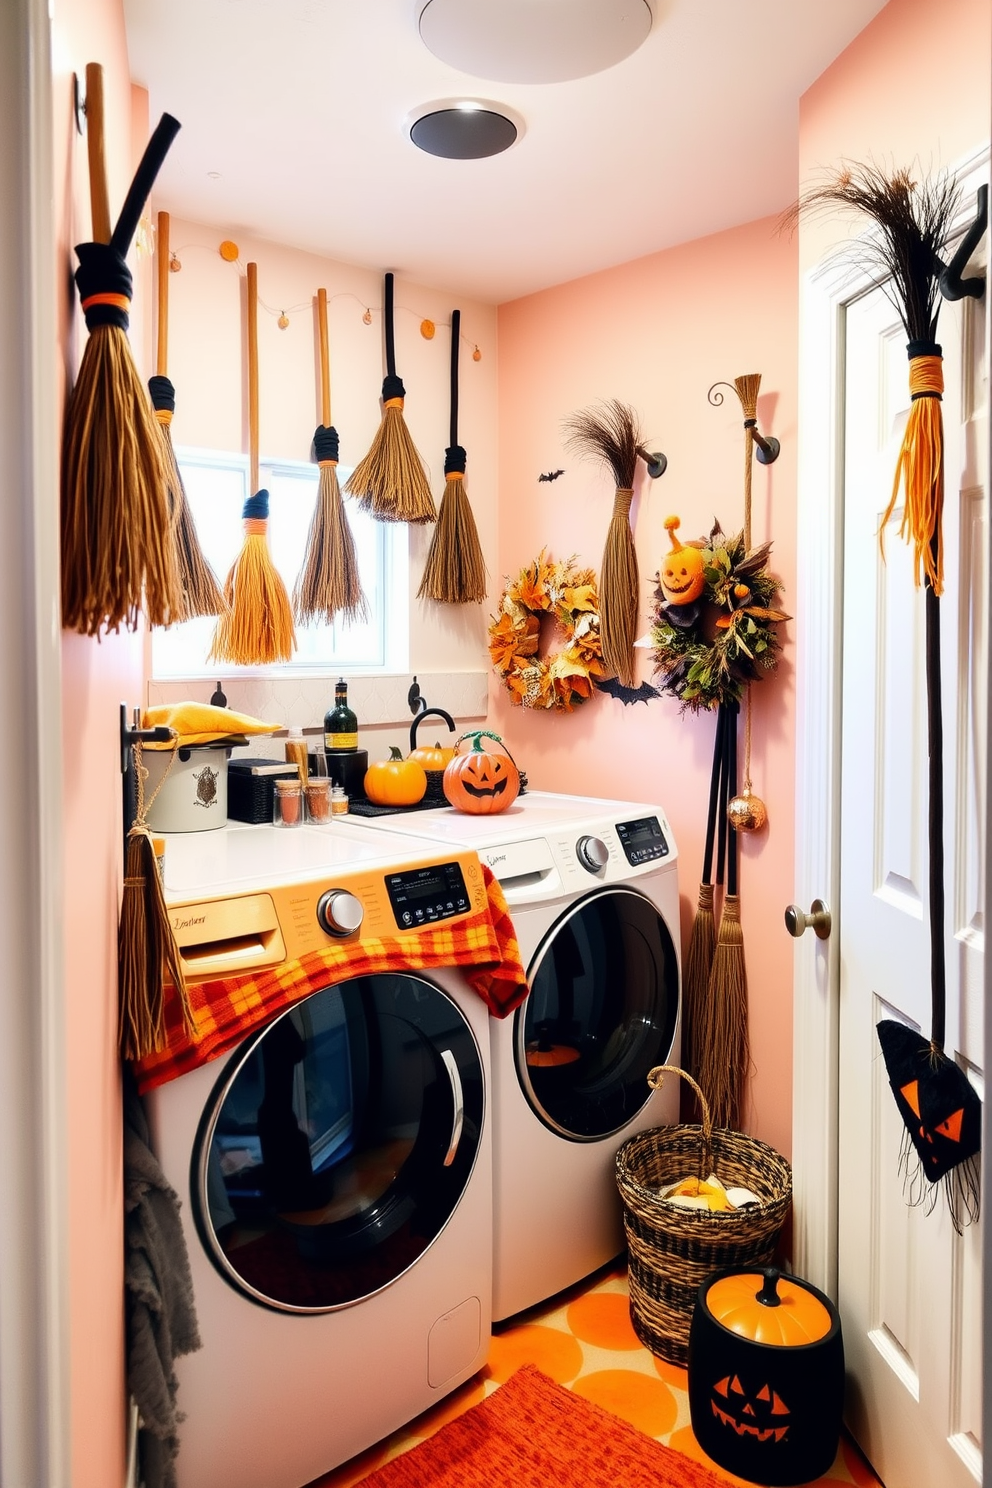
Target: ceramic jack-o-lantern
[
  {"x": 681, "y": 574},
  {"x": 766, "y": 1376},
  {"x": 481, "y": 782}
]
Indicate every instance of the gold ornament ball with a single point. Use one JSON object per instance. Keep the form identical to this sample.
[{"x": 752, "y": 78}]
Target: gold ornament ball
[
  {"x": 283, "y": 321},
  {"x": 747, "y": 813}
]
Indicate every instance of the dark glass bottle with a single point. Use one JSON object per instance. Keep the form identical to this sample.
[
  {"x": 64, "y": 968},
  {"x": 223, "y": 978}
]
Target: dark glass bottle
[{"x": 340, "y": 724}]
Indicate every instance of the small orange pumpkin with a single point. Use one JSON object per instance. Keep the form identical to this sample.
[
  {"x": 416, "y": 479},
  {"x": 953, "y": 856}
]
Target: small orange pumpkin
[
  {"x": 395, "y": 781},
  {"x": 682, "y": 577},
  {"x": 432, "y": 759},
  {"x": 481, "y": 783}
]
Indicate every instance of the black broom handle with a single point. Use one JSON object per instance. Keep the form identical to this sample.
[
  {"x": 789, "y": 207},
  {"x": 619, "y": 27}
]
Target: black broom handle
[
  {"x": 935, "y": 745},
  {"x": 144, "y": 179},
  {"x": 722, "y": 799},
  {"x": 388, "y": 318},
  {"x": 732, "y": 712},
  {"x": 456, "y": 327},
  {"x": 714, "y": 789}
]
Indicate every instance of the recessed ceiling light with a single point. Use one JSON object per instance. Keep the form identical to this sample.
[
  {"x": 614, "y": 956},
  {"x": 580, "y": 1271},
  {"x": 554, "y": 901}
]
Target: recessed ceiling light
[
  {"x": 534, "y": 41},
  {"x": 464, "y": 128}
]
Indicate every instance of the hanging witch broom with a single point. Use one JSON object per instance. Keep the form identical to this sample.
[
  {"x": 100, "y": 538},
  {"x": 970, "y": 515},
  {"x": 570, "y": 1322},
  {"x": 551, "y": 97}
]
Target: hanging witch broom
[
  {"x": 257, "y": 627},
  {"x": 611, "y": 434},
  {"x": 146, "y": 946},
  {"x": 455, "y": 571},
  {"x": 391, "y": 482},
  {"x": 201, "y": 592},
  {"x": 116, "y": 530},
  {"x": 940, "y": 1109},
  {"x": 329, "y": 583}
]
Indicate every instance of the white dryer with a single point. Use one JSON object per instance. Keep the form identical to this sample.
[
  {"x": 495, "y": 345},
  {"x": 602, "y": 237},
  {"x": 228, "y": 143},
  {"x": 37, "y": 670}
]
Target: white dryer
[
  {"x": 592, "y": 886},
  {"x": 335, "y": 1169}
]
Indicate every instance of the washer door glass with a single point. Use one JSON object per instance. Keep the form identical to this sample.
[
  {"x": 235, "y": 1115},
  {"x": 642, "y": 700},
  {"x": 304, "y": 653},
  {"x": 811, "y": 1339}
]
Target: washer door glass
[
  {"x": 601, "y": 1013},
  {"x": 335, "y": 1147}
]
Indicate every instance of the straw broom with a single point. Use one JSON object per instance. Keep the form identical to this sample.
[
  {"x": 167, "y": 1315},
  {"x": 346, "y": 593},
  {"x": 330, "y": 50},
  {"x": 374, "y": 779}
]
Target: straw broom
[
  {"x": 258, "y": 626},
  {"x": 201, "y": 591},
  {"x": 145, "y": 943},
  {"x": 117, "y": 554},
  {"x": 328, "y": 583},
  {"x": 391, "y": 482},
  {"x": 455, "y": 571},
  {"x": 611, "y": 434}
]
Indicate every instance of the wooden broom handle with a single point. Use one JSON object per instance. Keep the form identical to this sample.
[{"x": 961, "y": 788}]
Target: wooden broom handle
[
  {"x": 162, "y": 359},
  {"x": 99, "y": 197},
  {"x": 325, "y": 360},
  {"x": 253, "y": 375}
]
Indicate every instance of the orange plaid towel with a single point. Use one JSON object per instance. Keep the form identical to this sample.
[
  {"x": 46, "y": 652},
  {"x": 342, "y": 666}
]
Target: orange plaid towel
[{"x": 229, "y": 1008}]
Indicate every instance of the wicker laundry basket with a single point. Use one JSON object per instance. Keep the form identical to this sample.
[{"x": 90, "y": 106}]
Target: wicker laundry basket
[{"x": 672, "y": 1250}]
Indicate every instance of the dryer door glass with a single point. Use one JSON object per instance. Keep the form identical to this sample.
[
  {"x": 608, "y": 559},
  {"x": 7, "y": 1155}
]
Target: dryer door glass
[
  {"x": 335, "y": 1148},
  {"x": 602, "y": 1011}
]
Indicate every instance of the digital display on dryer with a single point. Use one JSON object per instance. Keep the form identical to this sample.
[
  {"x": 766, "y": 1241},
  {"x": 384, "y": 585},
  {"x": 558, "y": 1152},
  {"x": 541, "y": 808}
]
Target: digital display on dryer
[
  {"x": 642, "y": 840},
  {"x": 422, "y": 896}
]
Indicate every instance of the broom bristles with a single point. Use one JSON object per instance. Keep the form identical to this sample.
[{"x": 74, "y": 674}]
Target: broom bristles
[
  {"x": 199, "y": 585},
  {"x": 455, "y": 571},
  {"x": 725, "y": 1060},
  {"x": 258, "y": 626},
  {"x": 391, "y": 481},
  {"x": 747, "y": 388},
  {"x": 329, "y": 582},
  {"x": 619, "y": 590},
  {"x": 146, "y": 947},
  {"x": 117, "y": 554},
  {"x": 696, "y": 982}
]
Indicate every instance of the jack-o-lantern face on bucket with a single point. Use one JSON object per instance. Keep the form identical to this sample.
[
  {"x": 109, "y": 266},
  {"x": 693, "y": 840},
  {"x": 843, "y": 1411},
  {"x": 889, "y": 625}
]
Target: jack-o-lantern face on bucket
[
  {"x": 481, "y": 783},
  {"x": 681, "y": 575},
  {"x": 763, "y": 1415}
]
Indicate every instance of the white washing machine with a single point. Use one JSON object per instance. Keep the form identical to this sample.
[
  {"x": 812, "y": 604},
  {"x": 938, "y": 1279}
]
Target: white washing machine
[
  {"x": 335, "y": 1170},
  {"x": 592, "y": 886}
]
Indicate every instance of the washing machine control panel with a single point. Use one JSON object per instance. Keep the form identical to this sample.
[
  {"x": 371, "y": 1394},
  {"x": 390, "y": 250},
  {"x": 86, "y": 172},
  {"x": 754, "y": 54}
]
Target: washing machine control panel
[
  {"x": 642, "y": 840},
  {"x": 422, "y": 896}
]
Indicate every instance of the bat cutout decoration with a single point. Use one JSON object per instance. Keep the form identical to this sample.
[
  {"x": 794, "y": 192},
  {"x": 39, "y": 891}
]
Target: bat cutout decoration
[
  {"x": 627, "y": 695},
  {"x": 551, "y": 475}
]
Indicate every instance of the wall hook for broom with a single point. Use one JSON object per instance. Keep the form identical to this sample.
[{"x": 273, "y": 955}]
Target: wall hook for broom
[
  {"x": 78, "y": 104},
  {"x": 131, "y": 733},
  {"x": 950, "y": 283},
  {"x": 656, "y": 462},
  {"x": 767, "y": 445}
]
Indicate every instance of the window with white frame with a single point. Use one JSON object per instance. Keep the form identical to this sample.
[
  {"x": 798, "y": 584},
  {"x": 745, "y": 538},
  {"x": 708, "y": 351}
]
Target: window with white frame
[{"x": 216, "y": 488}]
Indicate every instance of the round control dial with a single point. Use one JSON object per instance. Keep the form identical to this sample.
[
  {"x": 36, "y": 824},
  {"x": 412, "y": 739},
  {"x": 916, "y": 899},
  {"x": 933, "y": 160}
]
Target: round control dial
[
  {"x": 339, "y": 913},
  {"x": 592, "y": 853}
]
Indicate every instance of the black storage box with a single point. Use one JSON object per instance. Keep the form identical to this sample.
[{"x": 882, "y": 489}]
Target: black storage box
[{"x": 251, "y": 786}]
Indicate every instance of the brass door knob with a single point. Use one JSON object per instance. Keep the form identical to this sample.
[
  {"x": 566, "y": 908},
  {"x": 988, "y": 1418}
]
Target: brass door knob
[{"x": 797, "y": 921}]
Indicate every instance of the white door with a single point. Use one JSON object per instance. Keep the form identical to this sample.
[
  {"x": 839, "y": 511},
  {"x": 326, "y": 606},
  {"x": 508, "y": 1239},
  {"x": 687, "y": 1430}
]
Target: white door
[{"x": 909, "y": 1288}]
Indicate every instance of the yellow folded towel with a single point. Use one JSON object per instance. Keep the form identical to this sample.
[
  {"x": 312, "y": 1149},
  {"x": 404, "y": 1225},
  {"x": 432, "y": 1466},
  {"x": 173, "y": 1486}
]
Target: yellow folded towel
[{"x": 201, "y": 723}]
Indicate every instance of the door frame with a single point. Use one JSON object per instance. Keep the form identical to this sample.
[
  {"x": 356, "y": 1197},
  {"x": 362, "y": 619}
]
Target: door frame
[{"x": 825, "y": 293}]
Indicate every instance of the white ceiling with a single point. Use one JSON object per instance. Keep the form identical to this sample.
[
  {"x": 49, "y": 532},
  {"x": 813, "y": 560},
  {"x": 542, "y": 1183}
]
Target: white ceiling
[{"x": 293, "y": 117}]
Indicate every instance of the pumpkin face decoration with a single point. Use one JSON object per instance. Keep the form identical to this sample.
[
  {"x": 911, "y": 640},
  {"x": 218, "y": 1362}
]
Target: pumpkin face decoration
[
  {"x": 681, "y": 575},
  {"x": 763, "y": 1414},
  {"x": 941, "y": 1109},
  {"x": 481, "y": 783}
]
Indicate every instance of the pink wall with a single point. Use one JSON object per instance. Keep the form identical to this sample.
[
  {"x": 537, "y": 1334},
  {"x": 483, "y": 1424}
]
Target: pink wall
[
  {"x": 656, "y": 333},
  {"x": 97, "y": 677}
]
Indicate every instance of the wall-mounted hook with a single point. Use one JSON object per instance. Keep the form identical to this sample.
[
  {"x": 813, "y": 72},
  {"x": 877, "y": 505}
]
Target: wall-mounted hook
[
  {"x": 415, "y": 698},
  {"x": 950, "y": 283},
  {"x": 130, "y": 733},
  {"x": 78, "y": 104},
  {"x": 656, "y": 462},
  {"x": 767, "y": 446}
]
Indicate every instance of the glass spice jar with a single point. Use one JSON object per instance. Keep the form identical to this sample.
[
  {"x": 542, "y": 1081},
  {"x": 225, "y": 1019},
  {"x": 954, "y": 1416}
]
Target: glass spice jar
[
  {"x": 318, "y": 792},
  {"x": 287, "y": 803}
]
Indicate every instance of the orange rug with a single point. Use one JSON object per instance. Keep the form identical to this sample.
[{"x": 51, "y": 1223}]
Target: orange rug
[{"x": 532, "y": 1433}]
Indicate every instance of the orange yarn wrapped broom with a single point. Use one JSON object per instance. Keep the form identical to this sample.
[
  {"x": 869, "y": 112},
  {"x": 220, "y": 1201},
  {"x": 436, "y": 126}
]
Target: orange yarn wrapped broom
[
  {"x": 329, "y": 583},
  {"x": 201, "y": 591},
  {"x": 258, "y": 625},
  {"x": 391, "y": 482},
  {"x": 455, "y": 571},
  {"x": 116, "y": 529}
]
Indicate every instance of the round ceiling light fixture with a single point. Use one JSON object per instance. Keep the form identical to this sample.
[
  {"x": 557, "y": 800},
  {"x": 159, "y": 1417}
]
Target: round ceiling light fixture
[
  {"x": 534, "y": 41},
  {"x": 464, "y": 128}
]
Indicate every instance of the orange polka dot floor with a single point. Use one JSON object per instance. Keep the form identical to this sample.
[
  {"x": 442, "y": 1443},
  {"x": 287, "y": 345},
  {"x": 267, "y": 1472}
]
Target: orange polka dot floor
[{"x": 584, "y": 1340}]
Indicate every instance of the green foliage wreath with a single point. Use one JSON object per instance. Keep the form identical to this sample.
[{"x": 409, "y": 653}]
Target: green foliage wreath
[{"x": 706, "y": 653}]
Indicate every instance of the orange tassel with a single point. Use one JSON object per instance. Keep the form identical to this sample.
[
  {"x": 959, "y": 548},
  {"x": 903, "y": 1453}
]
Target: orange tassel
[
  {"x": 921, "y": 465},
  {"x": 258, "y": 627}
]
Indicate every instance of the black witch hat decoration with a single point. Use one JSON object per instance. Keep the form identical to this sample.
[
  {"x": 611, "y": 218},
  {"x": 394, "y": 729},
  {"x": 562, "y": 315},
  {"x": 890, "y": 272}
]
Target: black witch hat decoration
[{"x": 940, "y": 1108}]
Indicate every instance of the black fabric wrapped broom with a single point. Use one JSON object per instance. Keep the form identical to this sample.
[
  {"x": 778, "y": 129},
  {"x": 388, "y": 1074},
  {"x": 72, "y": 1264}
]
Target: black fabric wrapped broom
[
  {"x": 455, "y": 571},
  {"x": 118, "y": 556}
]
